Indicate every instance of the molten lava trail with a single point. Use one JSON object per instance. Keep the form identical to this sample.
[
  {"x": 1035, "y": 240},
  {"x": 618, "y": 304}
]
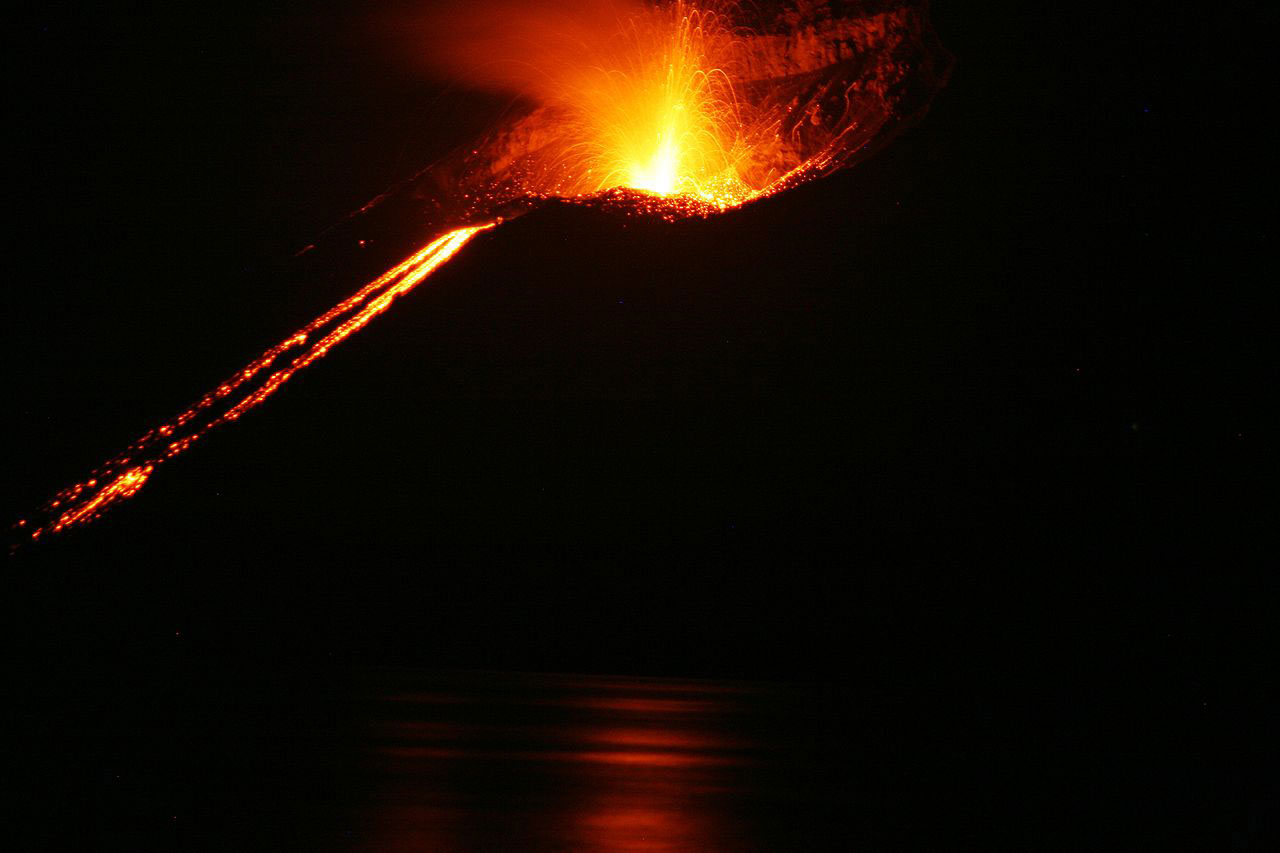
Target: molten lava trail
[{"x": 123, "y": 476}]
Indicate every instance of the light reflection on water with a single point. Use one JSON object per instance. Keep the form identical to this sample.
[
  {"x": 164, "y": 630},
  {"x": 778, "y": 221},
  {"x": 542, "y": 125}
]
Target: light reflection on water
[{"x": 564, "y": 762}]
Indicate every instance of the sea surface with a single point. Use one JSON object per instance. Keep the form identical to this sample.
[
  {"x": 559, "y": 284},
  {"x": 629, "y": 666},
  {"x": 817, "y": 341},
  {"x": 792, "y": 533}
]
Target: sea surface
[{"x": 500, "y": 761}]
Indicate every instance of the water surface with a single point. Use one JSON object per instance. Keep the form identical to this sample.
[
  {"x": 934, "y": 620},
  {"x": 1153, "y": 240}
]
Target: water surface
[{"x": 574, "y": 762}]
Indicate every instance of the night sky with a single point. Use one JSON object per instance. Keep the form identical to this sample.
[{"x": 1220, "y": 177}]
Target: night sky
[{"x": 973, "y": 434}]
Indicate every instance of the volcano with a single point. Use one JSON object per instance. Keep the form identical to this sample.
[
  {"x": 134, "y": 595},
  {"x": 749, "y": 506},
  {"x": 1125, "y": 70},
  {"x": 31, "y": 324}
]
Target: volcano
[{"x": 678, "y": 112}]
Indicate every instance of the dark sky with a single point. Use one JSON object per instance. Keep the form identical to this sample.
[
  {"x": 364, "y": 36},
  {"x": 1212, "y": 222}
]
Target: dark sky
[{"x": 979, "y": 422}]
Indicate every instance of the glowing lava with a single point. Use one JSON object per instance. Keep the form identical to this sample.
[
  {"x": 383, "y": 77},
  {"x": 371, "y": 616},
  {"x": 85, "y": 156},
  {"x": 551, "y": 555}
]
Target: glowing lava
[
  {"x": 128, "y": 473},
  {"x": 656, "y": 111},
  {"x": 701, "y": 108}
]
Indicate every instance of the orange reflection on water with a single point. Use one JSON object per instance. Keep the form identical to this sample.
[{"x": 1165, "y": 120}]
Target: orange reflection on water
[{"x": 564, "y": 763}]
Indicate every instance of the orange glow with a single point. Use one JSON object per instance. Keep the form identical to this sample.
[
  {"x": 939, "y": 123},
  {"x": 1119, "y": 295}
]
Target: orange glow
[
  {"x": 677, "y": 109},
  {"x": 656, "y": 111},
  {"x": 644, "y": 100}
]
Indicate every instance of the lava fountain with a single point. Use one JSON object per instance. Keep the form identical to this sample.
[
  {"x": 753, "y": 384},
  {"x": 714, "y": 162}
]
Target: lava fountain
[
  {"x": 655, "y": 110},
  {"x": 668, "y": 109}
]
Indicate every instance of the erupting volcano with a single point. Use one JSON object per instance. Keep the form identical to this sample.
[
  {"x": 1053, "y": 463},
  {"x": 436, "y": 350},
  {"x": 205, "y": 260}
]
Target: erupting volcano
[{"x": 669, "y": 109}]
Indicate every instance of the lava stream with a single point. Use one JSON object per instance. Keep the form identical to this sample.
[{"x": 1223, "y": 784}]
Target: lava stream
[{"x": 123, "y": 476}]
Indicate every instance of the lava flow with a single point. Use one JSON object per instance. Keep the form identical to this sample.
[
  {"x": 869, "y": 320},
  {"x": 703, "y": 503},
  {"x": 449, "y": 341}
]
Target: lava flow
[
  {"x": 124, "y": 475},
  {"x": 667, "y": 109}
]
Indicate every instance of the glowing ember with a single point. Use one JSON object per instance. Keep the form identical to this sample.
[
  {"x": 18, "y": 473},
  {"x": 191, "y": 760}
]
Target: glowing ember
[
  {"x": 124, "y": 486},
  {"x": 671, "y": 111}
]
